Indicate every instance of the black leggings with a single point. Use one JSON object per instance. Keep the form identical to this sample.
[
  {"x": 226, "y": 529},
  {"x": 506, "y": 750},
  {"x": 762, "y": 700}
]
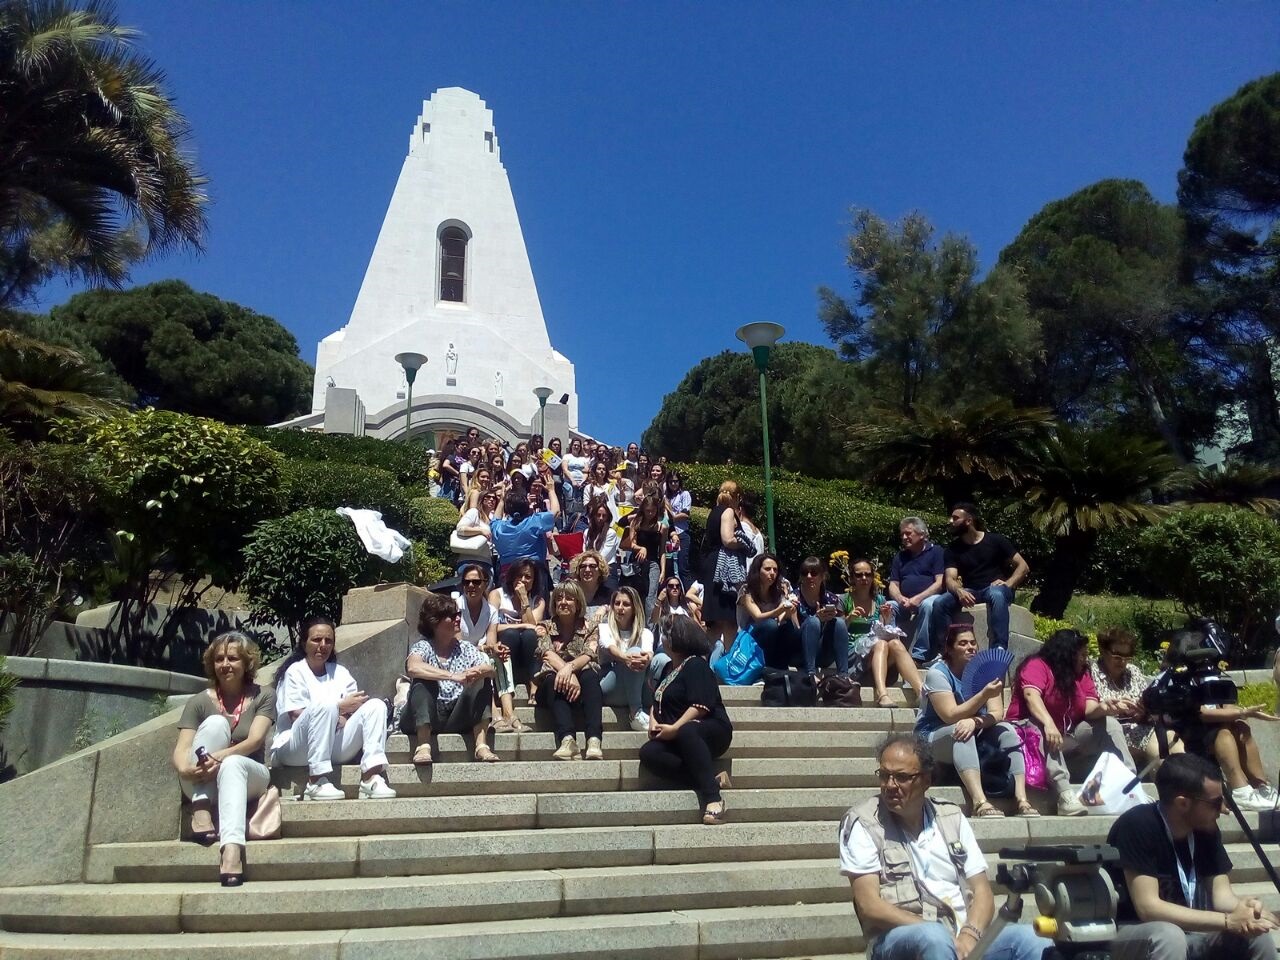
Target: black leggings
[
  {"x": 562, "y": 710},
  {"x": 461, "y": 716},
  {"x": 688, "y": 758},
  {"x": 523, "y": 643}
]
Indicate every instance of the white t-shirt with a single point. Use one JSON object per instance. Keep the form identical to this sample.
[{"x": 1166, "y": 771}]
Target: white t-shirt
[
  {"x": 592, "y": 490},
  {"x": 577, "y": 468},
  {"x": 610, "y": 639},
  {"x": 608, "y": 549},
  {"x": 300, "y": 688},
  {"x": 930, "y": 860}
]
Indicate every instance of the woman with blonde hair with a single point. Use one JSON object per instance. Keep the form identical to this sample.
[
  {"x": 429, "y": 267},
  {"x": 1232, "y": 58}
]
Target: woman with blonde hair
[
  {"x": 627, "y": 656},
  {"x": 590, "y": 572},
  {"x": 720, "y": 539},
  {"x": 569, "y": 649},
  {"x": 222, "y": 737}
]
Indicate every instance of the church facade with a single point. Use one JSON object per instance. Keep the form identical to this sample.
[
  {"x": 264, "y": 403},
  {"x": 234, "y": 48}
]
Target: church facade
[{"x": 449, "y": 278}]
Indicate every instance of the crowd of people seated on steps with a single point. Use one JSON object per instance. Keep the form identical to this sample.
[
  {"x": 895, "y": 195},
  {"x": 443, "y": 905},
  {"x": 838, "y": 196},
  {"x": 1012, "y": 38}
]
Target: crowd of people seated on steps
[{"x": 635, "y": 616}]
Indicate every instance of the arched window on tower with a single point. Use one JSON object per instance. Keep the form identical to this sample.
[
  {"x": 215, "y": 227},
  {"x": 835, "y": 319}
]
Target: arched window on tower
[{"x": 453, "y": 265}]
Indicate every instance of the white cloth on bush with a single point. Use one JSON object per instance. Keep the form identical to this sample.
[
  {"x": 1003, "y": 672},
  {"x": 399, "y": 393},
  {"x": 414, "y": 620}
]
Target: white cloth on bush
[{"x": 377, "y": 537}]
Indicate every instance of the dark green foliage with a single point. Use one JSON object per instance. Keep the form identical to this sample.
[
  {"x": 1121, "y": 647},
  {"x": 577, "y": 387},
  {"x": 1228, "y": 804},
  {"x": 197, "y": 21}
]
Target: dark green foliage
[
  {"x": 302, "y": 564},
  {"x": 1102, "y": 275},
  {"x": 192, "y": 352},
  {"x": 713, "y": 415},
  {"x": 49, "y": 496},
  {"x": 183, "y": 493},
  {"x": 431, "y": 520},
  {"x": 39, "y": 382},
  {"x": 1223, "y": 564},
  {"x": 811, "y": 518},
  {"x": 93, "y": 174},
  {"x": 332, "y": 485},
  {"x": 429, "y": 567},
  {"x": 921, "y": 327},
  {"x": 407, "y": 462}
]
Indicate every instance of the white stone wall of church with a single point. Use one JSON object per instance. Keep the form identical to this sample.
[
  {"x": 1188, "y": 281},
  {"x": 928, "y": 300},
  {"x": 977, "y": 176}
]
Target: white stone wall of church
[{"x": 452, "y": 174}]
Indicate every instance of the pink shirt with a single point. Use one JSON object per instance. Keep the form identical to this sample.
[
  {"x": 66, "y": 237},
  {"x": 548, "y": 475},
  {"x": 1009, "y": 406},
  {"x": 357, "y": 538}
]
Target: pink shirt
[{"x": 1035, "y": 673}]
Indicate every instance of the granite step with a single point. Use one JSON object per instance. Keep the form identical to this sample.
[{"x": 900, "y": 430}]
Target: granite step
[
  {"x": 361, "y": 902},
  {"x": 538, "y": 745},
  {"x": 746, "y": 717},
  {"x": 750, "y": 695}
]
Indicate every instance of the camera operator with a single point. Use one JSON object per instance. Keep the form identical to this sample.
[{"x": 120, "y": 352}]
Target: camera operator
[
  {"x": 1177, "y": 873},
  {"x": 919, "y": 880},
  {"x": 1223, "y": 730}
]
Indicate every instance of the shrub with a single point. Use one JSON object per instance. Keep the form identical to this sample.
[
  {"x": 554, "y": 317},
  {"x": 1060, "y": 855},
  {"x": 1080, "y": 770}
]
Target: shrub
[
  {"x": 431, "y": 520},
  {"x": 183, "y": 493},
  {"x": 303, "y": 564},
  {"x": 428, "y": 567},
  {"x": 407, "y": 462},
  {"x": 329, "y": 485},
  {"x": 1223, "y": 564},
  {"x": 812, "y": 517},
  {"x": 8, "y": 696}
]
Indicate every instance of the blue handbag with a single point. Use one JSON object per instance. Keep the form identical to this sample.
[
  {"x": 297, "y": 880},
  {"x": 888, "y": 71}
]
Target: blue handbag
[{"x": 743, "y": 665}]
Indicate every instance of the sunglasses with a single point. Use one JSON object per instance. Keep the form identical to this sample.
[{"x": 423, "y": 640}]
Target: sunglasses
[
  {"x": 862, "y": 576},
  {"x": 813, "y": 573},
  {"x": 473, "y": 583},
  {"x": 1215, "y": 802},
  {"x": 588, "y": 566}
]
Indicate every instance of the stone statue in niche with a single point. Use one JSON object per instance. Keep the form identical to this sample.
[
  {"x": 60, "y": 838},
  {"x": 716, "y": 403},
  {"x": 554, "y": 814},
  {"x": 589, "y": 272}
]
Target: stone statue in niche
[
  {"x": 497, "y": 385},
  {"x": 451, "y": 361}
]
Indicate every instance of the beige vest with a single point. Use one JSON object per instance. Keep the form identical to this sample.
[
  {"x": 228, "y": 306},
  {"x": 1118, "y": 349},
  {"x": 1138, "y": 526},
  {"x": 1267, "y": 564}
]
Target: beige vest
[{"x": 898, "y": 884}]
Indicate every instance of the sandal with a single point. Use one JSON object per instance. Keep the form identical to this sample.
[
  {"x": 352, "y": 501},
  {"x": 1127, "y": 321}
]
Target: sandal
[
  {"x": 422, "y": 756},
  {"x": 723, "y": 781},
  {"x": 884, "y": 700},
  {"x": 501, "y": 725},
  {"x": 986, "y": 810},
  {"x": 485, "y": 755},
  {"x": 517, "y": 726},
  {"x": 1025, "y": 809},
  {"x": 714, "y": 818}
]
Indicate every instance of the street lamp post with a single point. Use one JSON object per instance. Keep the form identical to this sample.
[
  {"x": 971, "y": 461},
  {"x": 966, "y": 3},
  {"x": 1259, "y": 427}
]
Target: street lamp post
[
  {"x": 761, "y": 337},
  {"x": 542, "y": 393},
  {"x": 411, "y": 363}
]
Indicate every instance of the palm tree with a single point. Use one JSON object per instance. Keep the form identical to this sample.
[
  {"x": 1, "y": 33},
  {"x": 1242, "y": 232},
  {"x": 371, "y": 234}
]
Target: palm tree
[
  {"x": 1089, "y": 481},
  {"x": 92, "y": 172},
  {"x": 39, "y": 381},
  {"x": 1233, "y": 483},
  {"x": 953, "y": 451}
]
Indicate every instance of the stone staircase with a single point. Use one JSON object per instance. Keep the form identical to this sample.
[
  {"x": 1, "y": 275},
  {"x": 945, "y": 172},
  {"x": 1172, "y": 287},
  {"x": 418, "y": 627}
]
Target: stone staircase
[{"x": 527, "y": 858}]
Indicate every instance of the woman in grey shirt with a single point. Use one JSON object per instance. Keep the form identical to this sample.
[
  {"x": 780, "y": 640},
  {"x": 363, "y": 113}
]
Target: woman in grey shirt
[{"x": 221, "y": 737}]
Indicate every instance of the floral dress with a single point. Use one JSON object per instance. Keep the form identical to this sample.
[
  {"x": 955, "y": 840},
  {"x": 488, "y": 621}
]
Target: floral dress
[{"x": 1131, "y": 686}]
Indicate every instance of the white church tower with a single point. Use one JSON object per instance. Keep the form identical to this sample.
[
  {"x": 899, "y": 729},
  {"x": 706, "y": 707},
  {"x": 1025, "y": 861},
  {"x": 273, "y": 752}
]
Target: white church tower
[{"x": 449, "y": 278}]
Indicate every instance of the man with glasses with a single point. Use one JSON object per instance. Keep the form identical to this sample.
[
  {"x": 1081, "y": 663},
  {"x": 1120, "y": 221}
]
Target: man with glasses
[
  {"x": 1178, "y": 875},
  {"x": 919, "y": 880}
]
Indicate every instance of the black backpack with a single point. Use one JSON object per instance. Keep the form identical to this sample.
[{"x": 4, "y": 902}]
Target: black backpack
[{"x": 997, "y": 781}]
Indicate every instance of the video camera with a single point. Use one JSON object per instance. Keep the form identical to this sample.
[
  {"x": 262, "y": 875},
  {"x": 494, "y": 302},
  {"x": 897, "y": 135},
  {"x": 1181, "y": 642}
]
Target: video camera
[
  {"x": 1075, "y": 894},
  {"x": 1192, "y": 677}
]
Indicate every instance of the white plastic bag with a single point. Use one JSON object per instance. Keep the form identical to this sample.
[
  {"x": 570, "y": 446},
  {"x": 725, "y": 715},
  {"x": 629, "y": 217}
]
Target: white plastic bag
[{"x": 1104, "y": 791}]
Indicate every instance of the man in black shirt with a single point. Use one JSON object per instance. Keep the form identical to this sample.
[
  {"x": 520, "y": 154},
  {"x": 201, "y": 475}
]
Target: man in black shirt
[
  {"x": 1178, "y": 875},
  {"x": 981, "y": 567}
]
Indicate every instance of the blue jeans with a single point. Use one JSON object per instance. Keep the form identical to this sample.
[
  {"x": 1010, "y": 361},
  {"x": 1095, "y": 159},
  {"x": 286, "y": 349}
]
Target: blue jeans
[
  {"x": 828, "y": 642},
  {"x": 924, "y": 620},
  {"x": 633, "y": 689},
  {"x": 998, "y": 600},
  {"x": 780, "y": 643},
  {"x": 933, "y": 941}
]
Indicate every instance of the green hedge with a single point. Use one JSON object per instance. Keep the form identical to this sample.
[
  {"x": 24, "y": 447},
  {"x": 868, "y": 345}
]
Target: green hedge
[
  {"x": 407, "y": 462},
  {"x": 431, "y": 520},
  {"x": 812, "y": 517},
  {"x": 329, "y": 485}
]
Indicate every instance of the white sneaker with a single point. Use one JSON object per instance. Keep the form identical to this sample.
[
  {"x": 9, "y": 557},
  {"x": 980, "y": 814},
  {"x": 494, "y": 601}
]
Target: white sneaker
[
  {"x": 1247, "y": 798},
  {"x": 1069, "y": 805},
  {"x": 640, "y": 721},
  {"x": 322, "y": 789},
  {"x": 375, "y": 788},
  {"x": 1268, "y": 793}
]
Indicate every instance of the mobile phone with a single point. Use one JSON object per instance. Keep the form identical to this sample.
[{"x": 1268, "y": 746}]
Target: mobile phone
[{"x": 201, "y": 754}]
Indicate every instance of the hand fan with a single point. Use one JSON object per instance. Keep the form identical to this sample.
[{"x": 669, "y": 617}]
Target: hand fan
[{"x": 987, "y": 665}]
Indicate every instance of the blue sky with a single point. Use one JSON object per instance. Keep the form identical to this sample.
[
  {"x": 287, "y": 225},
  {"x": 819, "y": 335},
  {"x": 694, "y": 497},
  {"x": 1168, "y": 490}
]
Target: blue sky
[{"x": 679, "y": 168}]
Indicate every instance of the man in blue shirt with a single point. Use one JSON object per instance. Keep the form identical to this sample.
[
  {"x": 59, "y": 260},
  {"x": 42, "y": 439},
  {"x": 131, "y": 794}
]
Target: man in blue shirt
[
  {"x": 915, "y": 586},
  {"x": 521, "y": 532}
]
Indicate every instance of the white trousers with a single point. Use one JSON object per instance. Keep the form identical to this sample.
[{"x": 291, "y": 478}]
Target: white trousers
[
  {"x": 314, "y": 738},
  {"x": 238, "y": 780}
]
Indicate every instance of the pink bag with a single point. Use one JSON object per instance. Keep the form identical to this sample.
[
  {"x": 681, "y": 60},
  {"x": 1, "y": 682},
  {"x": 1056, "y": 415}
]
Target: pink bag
[
  {"x": 264, "y": 816},
  {"x": 1033, "y": 755}
]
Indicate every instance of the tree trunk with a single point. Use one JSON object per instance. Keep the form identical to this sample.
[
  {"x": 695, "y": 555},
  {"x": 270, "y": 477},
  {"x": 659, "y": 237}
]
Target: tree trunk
[
  {"x": 1070, "y": 557},
  {"x": 1259, "y": 396}
]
